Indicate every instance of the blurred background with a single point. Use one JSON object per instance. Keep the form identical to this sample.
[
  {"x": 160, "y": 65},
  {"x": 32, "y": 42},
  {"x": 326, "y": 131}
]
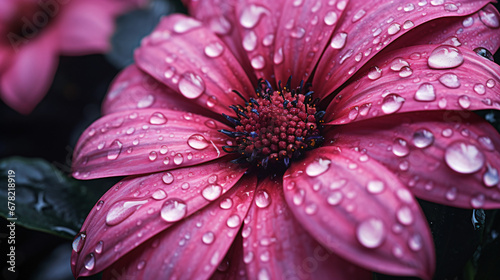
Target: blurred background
[{"x": 467, "y": 241}]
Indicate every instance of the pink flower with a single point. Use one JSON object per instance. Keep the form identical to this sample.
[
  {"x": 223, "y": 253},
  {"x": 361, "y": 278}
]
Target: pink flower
[
  {"x": 314, "y": 194},
  {"x": 35, "y": 32}
]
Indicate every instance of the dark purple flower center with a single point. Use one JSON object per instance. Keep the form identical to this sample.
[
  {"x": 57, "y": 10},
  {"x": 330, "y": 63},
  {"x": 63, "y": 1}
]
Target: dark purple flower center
[{"x": 276, "y": 127}]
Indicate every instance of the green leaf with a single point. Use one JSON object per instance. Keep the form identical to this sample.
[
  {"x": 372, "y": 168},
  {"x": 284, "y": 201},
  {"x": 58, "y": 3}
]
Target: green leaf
[{"x": 45, "y": 198}]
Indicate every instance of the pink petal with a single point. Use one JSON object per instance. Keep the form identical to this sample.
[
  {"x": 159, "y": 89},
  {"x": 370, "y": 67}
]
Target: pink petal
[
  {"x": 146, "y": 141},
  {"x": 193, "y": 248},
  {"x": 277, "y": 246},
  {"x": 133, "y": 89},
  {"x": 360, "y": 210},
  {"x": 406, "y": 82},
  {"x": 366, "y": 29},
  {"x": 446, "y": 157},
  {"x": 27, "y": 79},
  {"x": 232, "y": 265},
  {"x": 138, "y": 208},
  {"x": 477, "y": 30},
  {"x": 193, "y": 61},
  {"x": 257, "y": 23},
  {"x": 219, "y": 19},
  {"x": 301, "y": 38},
  {"x": 85, "y": 27}
]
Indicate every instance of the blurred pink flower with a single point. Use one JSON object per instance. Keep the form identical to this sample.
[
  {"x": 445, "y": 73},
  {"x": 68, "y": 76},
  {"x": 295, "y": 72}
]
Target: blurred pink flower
[
  {"x": 314, "y": 194},
  {"x": 35, "y": 32}
]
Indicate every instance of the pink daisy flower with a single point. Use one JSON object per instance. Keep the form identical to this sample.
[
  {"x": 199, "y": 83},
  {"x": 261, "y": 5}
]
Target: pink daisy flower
[
  {"x": 287, "y": 139},
  {"x": 34, "y": 33}
]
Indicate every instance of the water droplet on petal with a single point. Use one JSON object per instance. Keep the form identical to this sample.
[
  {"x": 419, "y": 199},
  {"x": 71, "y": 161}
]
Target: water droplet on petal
[
  {"x": 115, "y": 150},
  {"x": 374, "y": 73},
  {"x": 451, "y": 194},
  {"x": 464, "y": 101},
  {"x": 371, "y": 233},
  {"x": 214, "y": 49},
  {"x": 258, "y": 62},
  {"x": 392, "y": 103},
  {"x": 141, "y": 265},
  {"x": 398, "y": 63},
  {"x": 445, "y": 57},
  {"x": 375, "y": 186},
  {"x": 339, "y": 40},
  {"x": 263, "y": 274},
  {"x": 425, "y": 92},
  {"x": 490, "y": 177},
  {"x": 394, "y": 28},
  {"x": 146, "y": 102},
  {"x": 298, "y": 197},
  {"x": 464, "y": 158},
  {"x": 159, "y": 194},
  {"x": 173, "y": 210},
  {"x": 208, "y": 238},
  {"x": 168, "y": 178},
  {"x": 330, "y": 18},
  {"x": 178, "y": 159},
  {"x": 99, "y": 205},
  {"x": 153, "y": 156},
  {"x": 211, "y": 192},
  {"x": 405, "y": 216},
  {"x": 191, "y": 85},
  {"x": 98, "y": 247},
  {"x": 334, "y": 198},
  {"x": 450, "y": 80},
  {"x": 318, "y": 167},
  {"x": 479, "y": 89},
  {"x": 488, "y": 16},
  {"x": 423, "y": 138},
  {"x": 89, "y": 261},
  {"x": 233, "y": 221},
  {"x": 405, "y": 72},
  {"x": 490, "y": 83},
  {"x": 400, "y": 147},
  {"x": 226, "y": 203},
  {"x": 477, "y": 201},
  {"x": 185, "y": 25},
  {"x": 415, "y": 242},
  {"x": 251, "y": 15},
  {"x": 484, "y": 53},
  {"x": 197, "y": 142},
  {"x": 298, "y": 33},
  {"x": 121, "y": 210},
  {"x": 262, "y": 199},
  {"x": 250, "y": 41},
  {"x": 79, "y": 242}
]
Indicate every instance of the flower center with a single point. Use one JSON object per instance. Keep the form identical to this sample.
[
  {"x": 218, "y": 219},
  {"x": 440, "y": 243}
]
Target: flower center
[{"x": 276, "y": 127}]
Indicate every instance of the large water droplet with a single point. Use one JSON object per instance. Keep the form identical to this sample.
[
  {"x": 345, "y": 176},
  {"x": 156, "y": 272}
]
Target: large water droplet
[
  {"x": 405, "y": 216},
  {"x": 98, "y": 247},
  {"x": 318, "y": 167},
  {"x": 79, "y": 242},
  {"x": 250, "y": 41},
  {"x": 167, "y": 178},
  {"x": 178, "y": 159},
  {"x": 392, "y": 103},
  {"x": 425, "y": 92},
  {"x": 146, "y": 101},
  {"x": 371, "y": 233},
  {"x": 258, "y": 62},
  {"x": 464, "y": 158},
  {"x": 226, "y": 203},
  {"x": 339, "y": 40},
  {"x": 334, "y": 198},
  {"x": 330, "y": 18},
  {"x": 488, "y": 16},
  {"x": 173, "y": 210},
  {"x": 197, "y": 142},
  {"x": 484, "y": 53},
  {"x": 374, "y": 73},
  {"x": 400, "y": 147},
  {"x": 375, "y": 186},
  {"x": 444, "y": 57},
  {"x": 208, "y": 238},
  {"x": 251, "y": 15},
  {"x": 450, "y": 80},
  {"x": 298, "y": 197},
  {"x": 115, "y": 150},
  {"x": 185, "y": 25},
  {"x": 233, "y": 221},
  {"x": 211, "y": 192},
  {"x": 262, "y": 199},
  {"x": 121, "y": 210},
  {"x": 89, "y": 261},
  {"x": 398, "y": 63},
  {"x": 214, "y": 49},
  {"x": 159, "y": 194},
  {"x": 490, "y": 177},
  {"x": 191, "y": 85},
  {"x": 423, "y": 138},
  {"x": 394, "y": 28},
  {"x": 464, "y": 101}
]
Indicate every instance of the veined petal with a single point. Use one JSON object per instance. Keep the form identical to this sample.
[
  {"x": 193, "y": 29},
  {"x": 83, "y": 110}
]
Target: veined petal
[
  {"x": 201, "y": 239},
  {"x": 360, "y": 210},
  {"x": 304, "y": 30},
  {"x": 445, "y": 157},
  {"x": 257, "y": 24},
  {"x": 277, "y": 246},
  {"x": 221, "y": 19},
  {"x": 232, "y": 266},
  {"x": 419, "y": 78},
  {"x": 367, "y": 29},
  {"x": 472, "y": 31},
  {"x": 133, "y": 89},
  {"x": 190, "y": 59},
  {"x": 138, "y": 208},
  {"x": 146, "y": 141}
]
